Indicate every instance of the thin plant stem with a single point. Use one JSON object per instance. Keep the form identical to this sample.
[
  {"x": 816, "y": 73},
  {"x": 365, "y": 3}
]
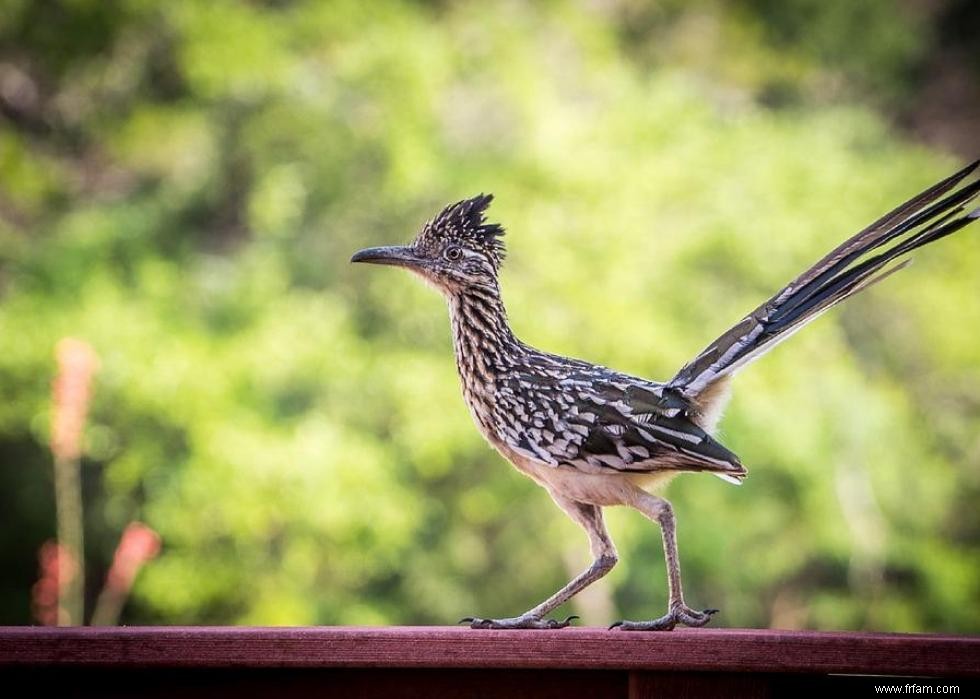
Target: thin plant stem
[{"x": 68, "y": 504}]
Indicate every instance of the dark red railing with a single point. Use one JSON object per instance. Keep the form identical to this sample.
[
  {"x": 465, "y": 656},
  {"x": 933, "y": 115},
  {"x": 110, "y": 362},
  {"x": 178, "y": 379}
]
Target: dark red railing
[{"x": 460, "y": 662}]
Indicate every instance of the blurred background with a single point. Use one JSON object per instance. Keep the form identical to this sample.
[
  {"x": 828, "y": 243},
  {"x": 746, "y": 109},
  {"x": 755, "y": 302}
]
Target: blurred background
[{"x": 266, "y": 435}]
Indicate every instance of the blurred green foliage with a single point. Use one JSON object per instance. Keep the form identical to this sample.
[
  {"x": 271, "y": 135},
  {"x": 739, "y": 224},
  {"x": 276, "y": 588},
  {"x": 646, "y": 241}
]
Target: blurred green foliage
[{"x": 182, "y": 184}]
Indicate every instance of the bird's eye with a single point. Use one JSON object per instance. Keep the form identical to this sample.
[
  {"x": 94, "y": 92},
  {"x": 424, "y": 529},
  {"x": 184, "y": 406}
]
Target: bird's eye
[{"x": 453, "y": 253}]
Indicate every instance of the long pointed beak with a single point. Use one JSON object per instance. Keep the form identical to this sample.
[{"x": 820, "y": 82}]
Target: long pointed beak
[{"x": 398, "y": 255}]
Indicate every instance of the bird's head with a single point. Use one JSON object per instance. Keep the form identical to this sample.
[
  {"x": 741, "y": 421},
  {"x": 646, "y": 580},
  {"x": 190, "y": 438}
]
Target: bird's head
[{"x": 455, "y": 251}]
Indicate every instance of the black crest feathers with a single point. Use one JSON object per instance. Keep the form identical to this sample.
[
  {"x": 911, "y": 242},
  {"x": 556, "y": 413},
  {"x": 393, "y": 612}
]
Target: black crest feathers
[{"x": 465, "y": 222}]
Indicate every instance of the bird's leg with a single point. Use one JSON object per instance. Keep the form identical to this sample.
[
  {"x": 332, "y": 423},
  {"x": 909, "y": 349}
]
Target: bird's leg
[
  {"x": 660, "y": 511},
  {"x": 604, "y": 558}
]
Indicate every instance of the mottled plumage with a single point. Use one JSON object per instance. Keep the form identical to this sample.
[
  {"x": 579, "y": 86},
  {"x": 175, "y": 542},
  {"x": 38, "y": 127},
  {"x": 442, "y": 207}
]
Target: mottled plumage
[
  {"x": 595, "y": 437},
  {"x": 562, "y": 412}
]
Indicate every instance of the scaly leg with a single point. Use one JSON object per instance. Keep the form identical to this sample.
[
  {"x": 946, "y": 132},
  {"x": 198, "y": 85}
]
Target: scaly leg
[
  {"x": 604, "y": 558},
  {"x": 660, "y": 511}
]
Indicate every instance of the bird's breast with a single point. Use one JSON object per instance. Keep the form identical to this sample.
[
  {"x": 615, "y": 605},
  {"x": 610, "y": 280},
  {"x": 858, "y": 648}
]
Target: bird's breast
[{"x": 479, "y": 395}]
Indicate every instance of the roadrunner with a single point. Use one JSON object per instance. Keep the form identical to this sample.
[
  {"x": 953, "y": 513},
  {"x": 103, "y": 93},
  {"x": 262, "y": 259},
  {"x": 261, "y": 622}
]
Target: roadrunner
[{"x": 593, "y": 437}]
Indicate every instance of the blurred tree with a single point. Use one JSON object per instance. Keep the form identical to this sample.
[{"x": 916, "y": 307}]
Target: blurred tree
[{"x": 181, "y": 184}]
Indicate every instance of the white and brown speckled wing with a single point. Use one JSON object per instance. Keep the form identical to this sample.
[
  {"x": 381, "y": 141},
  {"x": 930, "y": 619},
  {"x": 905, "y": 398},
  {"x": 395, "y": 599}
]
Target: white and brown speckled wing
[{"x": 575, "y": 415}]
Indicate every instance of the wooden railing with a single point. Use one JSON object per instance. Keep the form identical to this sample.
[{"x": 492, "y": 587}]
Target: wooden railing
[{"x": 460, "y": 662}]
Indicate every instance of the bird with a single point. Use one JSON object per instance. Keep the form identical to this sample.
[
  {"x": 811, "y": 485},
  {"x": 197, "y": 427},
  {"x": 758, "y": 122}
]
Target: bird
[{"x": 594, "y": 437}]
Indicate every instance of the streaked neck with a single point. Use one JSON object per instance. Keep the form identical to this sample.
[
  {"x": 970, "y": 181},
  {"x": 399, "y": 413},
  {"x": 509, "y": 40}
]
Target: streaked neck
[{"x": 482, "y": 336}]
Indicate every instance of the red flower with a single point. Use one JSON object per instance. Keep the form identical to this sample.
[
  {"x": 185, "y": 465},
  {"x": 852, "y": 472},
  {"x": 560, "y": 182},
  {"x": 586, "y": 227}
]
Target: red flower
[
  {"x": 57, "y": 568},
  {"x": 137, "y": 545},
  {"x": 77, "y": 362}
]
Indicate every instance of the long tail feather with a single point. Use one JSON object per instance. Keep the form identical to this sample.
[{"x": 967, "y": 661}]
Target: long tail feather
[{"x": 839, "y": 275}]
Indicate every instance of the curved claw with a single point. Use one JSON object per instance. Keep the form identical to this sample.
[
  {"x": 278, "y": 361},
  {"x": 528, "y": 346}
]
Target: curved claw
[
  {"x": 521, "y": 622},
  {"x": 555, "y": 624},
  {"x": 677, "y": 615}
]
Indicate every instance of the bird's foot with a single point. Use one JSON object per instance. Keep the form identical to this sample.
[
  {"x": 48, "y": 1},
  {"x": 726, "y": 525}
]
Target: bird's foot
[
  {"x": 679, "y": 614},
  {"x": 525, "y": 621}
]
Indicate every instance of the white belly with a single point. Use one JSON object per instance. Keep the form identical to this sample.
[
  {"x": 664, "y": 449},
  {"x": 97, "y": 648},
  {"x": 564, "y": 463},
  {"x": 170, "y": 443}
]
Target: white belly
[{"x": 593, "y": 488}]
